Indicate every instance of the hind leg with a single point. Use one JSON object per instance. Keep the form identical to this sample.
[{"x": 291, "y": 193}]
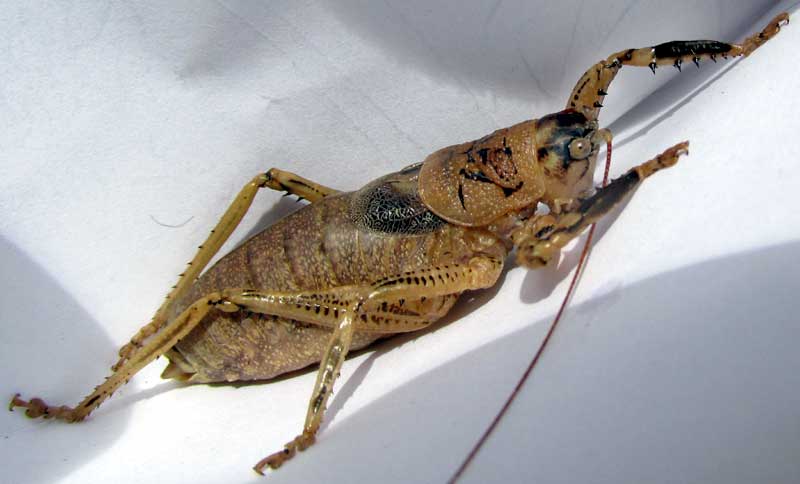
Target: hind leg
[
  {"x": 140, "y": 343},
  {"x": 296, "y": 185},
  {"x": 333, "y": 308},
  {"x": 275, "y": 179},
  {"x": 158, "y": 344}
]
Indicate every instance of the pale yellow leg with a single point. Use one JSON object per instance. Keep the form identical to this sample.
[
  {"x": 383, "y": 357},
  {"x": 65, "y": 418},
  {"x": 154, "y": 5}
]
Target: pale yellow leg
[
  {"x": 332, "y": 308},
  {"x": 296, "y": 185},
  {"x": 329, "y": 367},
  {"x": 275, "y": 179},
  {"x": 228, "y": 300},
  {"x": 479, "y": 272},
  {"x": 158, "y": 344},
  {"x": 339, "y": 308},
  {"x": 325, "y": 308}
]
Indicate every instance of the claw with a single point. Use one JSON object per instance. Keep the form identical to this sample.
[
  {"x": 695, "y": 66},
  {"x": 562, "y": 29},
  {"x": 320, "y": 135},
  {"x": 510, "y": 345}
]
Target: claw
[
  {"x": 274, "y": 461},
  {"x": 15, "y": 402},
  {"x": 666, "y": 159},
  {"x": 36, "y": 407}
]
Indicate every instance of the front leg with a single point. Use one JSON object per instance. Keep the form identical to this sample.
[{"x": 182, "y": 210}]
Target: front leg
[
  {"x": 541, "y": 239},
  {"x": 588, "y": 93}
]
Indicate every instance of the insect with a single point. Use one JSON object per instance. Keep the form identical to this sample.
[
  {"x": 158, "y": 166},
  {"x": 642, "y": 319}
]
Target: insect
[{"x": 392, "y": 257}]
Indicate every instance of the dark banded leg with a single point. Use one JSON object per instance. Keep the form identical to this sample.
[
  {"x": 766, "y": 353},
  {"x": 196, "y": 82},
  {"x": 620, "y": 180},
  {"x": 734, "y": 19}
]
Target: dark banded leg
[
  {"x": 541, "y": 239},
  {"x": 588, "y": 94}
]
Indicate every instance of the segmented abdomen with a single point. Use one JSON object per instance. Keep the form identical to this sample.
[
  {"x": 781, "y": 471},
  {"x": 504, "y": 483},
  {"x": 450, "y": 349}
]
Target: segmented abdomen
[
  {"x": 335, "y": 242},
  {"x": 349, "y": 239}
]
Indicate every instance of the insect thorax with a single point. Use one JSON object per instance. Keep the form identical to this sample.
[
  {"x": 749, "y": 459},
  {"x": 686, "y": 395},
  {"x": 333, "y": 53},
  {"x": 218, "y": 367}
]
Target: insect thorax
[{"x": 392, "y": 205}]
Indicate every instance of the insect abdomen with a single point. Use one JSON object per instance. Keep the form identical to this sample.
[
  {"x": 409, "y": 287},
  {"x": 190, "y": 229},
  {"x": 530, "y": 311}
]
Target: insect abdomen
[{"x": 320, "y": 246}]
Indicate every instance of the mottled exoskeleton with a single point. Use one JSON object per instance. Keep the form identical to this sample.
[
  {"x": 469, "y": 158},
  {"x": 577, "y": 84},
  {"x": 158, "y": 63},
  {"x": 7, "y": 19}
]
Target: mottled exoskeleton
[{"x": 392, "y": 257}]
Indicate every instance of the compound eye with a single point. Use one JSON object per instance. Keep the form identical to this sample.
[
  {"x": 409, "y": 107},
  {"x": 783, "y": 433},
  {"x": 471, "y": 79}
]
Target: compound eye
[{"x": 580, "y": 148}]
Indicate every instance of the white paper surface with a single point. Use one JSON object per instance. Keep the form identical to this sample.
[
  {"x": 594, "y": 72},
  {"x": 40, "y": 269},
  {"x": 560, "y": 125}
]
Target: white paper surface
[{"x": 125, "y": 129}]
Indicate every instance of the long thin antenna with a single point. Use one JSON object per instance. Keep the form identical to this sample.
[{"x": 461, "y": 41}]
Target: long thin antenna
[{"x": 572, "y": 285}]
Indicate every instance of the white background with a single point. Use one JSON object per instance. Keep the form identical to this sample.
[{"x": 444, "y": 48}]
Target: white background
[{"x": 125, "y": 129}]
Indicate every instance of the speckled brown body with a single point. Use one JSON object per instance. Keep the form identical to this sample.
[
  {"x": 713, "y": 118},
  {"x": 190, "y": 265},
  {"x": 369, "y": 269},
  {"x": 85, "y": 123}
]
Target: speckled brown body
[
  {"x": 393, "y": 256},
  {"x": 320, "y": 246}
]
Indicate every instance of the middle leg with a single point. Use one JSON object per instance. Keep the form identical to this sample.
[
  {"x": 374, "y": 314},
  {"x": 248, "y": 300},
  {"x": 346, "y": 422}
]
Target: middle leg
[
  {"x": 480, "y": 272},
  {"x": 275, "y": 179}
]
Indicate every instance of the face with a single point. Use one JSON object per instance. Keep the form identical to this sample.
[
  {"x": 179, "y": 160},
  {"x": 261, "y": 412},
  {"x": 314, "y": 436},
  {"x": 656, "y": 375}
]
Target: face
[{"x": 566, "y": 148}]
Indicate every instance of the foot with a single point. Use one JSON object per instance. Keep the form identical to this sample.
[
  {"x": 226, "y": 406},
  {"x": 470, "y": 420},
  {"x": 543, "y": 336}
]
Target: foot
[
  {"x": 301, "y": 442},
  {"x": 35, "y": 408}
]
